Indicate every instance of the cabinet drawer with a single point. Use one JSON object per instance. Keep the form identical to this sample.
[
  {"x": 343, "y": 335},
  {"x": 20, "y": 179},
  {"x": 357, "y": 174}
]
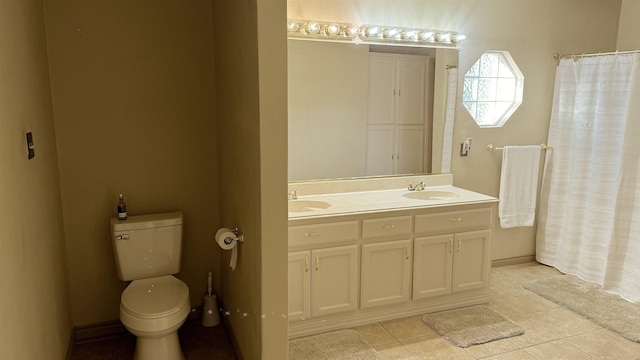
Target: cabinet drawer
[
  {"x": 386, "y": 227},
  {"x": 320, "y": 235},
  {"x": 452, "y": 221}
]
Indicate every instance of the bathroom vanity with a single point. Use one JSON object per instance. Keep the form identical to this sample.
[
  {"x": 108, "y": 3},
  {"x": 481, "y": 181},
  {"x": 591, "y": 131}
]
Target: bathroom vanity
[{"x": 362, "y": 251}]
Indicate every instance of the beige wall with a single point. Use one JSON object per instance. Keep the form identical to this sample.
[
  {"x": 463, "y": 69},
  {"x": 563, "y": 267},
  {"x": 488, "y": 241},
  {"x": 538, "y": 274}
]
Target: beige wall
[
  {"x": 629, "y": 30},
  {"x": 272, "y": 69},
  {"x": 133, "y": 102},
  {"x": 531, "y": 30},
  {"x": 250, "y": 57},
  {"x": 35, "y": 320}
]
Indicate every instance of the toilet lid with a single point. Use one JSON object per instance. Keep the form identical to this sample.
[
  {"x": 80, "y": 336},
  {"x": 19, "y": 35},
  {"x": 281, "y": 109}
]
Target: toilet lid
[{"x": 155, "y": 297}]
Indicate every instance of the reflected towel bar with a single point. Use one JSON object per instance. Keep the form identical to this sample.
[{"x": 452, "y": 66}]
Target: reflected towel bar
[{"x": 543, "y": 146}]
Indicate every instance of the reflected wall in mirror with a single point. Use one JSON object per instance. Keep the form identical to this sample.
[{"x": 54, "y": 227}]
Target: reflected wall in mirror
[{"x": 346, "y": 112}]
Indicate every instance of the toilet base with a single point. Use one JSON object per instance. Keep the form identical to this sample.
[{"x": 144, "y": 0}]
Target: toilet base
[{"x": 163, "y": 348}]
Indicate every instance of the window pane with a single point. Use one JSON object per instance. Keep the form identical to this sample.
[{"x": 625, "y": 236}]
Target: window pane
[{"x": 492, "y": 88}]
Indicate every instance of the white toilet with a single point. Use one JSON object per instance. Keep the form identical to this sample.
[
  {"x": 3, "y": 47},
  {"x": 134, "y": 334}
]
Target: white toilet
[{"x": 155, "y": 304}]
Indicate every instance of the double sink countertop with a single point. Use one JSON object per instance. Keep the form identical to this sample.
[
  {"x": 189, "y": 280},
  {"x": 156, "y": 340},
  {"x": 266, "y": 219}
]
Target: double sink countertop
[{"x": 321, "y": 205}]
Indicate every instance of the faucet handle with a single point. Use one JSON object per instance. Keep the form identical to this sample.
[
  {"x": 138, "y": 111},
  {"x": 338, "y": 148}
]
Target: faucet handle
[{"x": 293, "y": 194}]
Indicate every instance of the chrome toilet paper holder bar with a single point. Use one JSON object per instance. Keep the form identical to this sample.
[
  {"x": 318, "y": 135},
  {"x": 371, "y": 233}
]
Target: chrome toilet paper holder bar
[{"x": 239, "y": 237}]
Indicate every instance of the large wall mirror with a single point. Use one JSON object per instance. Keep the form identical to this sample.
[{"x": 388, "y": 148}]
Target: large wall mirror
[{"x": 349, "y": 104}]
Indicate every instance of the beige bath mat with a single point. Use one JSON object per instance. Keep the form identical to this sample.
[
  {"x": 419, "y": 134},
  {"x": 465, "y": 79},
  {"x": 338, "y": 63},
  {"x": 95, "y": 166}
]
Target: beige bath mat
[
  {"x": 471, "y": 325},
  {"x": 587, "y": 299},
  {"x": 335, "y": 345}
]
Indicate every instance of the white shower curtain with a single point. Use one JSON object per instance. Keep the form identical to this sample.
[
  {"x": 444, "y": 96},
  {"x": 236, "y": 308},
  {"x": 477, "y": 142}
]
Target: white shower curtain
[{"x": 589, "y": 223}]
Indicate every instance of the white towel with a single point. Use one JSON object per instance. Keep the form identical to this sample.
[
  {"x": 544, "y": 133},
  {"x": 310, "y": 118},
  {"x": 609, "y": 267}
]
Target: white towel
[{"x": 519, "y": 185}]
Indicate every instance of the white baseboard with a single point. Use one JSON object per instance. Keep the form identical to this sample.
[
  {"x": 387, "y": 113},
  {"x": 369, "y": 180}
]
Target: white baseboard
[
  {"x": 513, "y": 260},
  {"x": 384, "y": 313}
]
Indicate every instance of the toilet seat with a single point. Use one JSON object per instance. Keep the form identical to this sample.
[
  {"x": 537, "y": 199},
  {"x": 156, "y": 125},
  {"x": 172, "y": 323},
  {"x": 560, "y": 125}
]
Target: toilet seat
[{"x": 154, "y": 298}]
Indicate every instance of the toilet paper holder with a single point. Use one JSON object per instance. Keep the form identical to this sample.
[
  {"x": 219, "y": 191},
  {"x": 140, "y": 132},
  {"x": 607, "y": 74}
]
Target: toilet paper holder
[{"x": 239, "y": 237}]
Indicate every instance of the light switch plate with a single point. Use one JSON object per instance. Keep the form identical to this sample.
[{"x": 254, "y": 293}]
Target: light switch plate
[{"x": 30, "y": 147}]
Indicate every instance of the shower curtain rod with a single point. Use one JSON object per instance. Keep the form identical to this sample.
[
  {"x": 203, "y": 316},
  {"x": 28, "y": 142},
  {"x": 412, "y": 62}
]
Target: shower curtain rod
[{"x": 571, "y": 56}]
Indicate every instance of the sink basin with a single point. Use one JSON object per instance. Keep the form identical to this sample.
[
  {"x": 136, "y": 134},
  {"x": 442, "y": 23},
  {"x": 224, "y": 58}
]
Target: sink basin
[
  {"x": 431, "y": 195},
  {"x": 307, "y": 205}
]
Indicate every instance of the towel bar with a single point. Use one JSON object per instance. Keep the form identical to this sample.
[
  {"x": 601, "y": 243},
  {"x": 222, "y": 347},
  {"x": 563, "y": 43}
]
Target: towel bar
[{"x": 543, "y": 146}]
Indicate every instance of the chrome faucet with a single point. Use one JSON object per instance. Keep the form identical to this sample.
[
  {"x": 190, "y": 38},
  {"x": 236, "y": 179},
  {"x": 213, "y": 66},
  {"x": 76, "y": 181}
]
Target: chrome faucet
[
  {"x": 417, "y": 187},
  {"x": 293, "y": 195}
]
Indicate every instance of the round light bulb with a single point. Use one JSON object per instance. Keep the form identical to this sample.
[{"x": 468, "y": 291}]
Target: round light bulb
[
  {"x": 313, "y": 27},
  {"x": 293, "y": 26},
  {"x": 373, "y": 31},
  {"x": 332, "y": 29},
  {"x": 444, "y": 37},
  {"x": 391, "y": 33},
  {"x": 350, "y": 31},
  {"x": 426, "y": 36},
  {"x": 459, "y": 37},
  {"x": 410, "y": 35}
]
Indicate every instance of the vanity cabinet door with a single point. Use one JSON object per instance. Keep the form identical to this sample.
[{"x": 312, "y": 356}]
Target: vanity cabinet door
[
  {"x": 385, "y": 273},
  {"x": 334, "y": 280},
  {"x": 450, "y": 263},
  {"x": 299, "y": 285},
  {"x": 432, "y": 266},
  {"x": 471, "y": 260}
]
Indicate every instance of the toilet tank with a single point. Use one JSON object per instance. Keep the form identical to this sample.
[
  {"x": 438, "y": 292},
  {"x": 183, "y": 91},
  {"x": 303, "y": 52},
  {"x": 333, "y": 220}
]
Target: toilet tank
[{"x": 147, "y": 246}]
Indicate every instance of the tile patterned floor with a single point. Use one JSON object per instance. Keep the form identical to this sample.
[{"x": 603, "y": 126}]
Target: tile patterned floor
[
  {"x": 551, "y": 331},
  {"x": 198, "y": 343}
]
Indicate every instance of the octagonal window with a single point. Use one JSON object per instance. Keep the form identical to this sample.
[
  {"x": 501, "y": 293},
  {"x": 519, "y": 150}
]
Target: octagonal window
[{"x": 492, "y": 89}]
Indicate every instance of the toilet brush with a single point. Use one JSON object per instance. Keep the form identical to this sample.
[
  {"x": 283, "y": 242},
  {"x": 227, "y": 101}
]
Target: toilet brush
[{"x": 210, "y": 314}]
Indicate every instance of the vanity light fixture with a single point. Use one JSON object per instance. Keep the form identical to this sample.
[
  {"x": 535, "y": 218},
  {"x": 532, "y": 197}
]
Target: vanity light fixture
[
  {"x": 371, "y": 34},
  {"x": 331, "y": 31}
]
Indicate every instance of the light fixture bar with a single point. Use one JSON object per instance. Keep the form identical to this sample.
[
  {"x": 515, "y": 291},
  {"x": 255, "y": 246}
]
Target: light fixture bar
[
  {"x": 321, "y": 30},
  {"x": 371, "y": 34}
]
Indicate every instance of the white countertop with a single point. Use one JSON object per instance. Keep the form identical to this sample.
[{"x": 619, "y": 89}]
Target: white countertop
[{"x": 383, "y": 200}]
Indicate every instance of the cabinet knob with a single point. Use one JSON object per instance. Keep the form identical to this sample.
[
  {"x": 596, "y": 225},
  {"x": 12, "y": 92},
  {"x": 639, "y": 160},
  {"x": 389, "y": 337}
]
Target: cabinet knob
[
  {"x": 455, "y": 219},
  {"x": 388, "y": 226},
  {"x": 306, "y": 264},
  {"x": 312, "y": 233}
]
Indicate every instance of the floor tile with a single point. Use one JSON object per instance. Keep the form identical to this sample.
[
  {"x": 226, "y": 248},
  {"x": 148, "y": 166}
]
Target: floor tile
[
  {"x": 394, "y": 351},
  {"x": 551, "y": 332},
  {"x": 95, "y": 350},
  {"x": 406, "y": 328},
  {"x": 514, "y": 355},
  {"x": 434, "y": 347},
  {"x": 375, "y": 334},
  {"x": 197, "y": 342},
  {"x": 492, "y": 348},
  {"x": 519, "y": 302},
  {"x": 602, "y": 345},
  {"x": 557, "y": 350}
]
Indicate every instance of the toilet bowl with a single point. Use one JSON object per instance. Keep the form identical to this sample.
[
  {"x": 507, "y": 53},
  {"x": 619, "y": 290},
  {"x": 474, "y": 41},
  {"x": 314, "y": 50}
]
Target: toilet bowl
[
  {"x": 147, "y": 251},
  {"x": 153, "y": 310}
]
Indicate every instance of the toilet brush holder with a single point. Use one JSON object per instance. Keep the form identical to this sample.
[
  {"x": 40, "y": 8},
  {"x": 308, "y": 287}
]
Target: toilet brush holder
[{"x": 210, "y": 313}]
